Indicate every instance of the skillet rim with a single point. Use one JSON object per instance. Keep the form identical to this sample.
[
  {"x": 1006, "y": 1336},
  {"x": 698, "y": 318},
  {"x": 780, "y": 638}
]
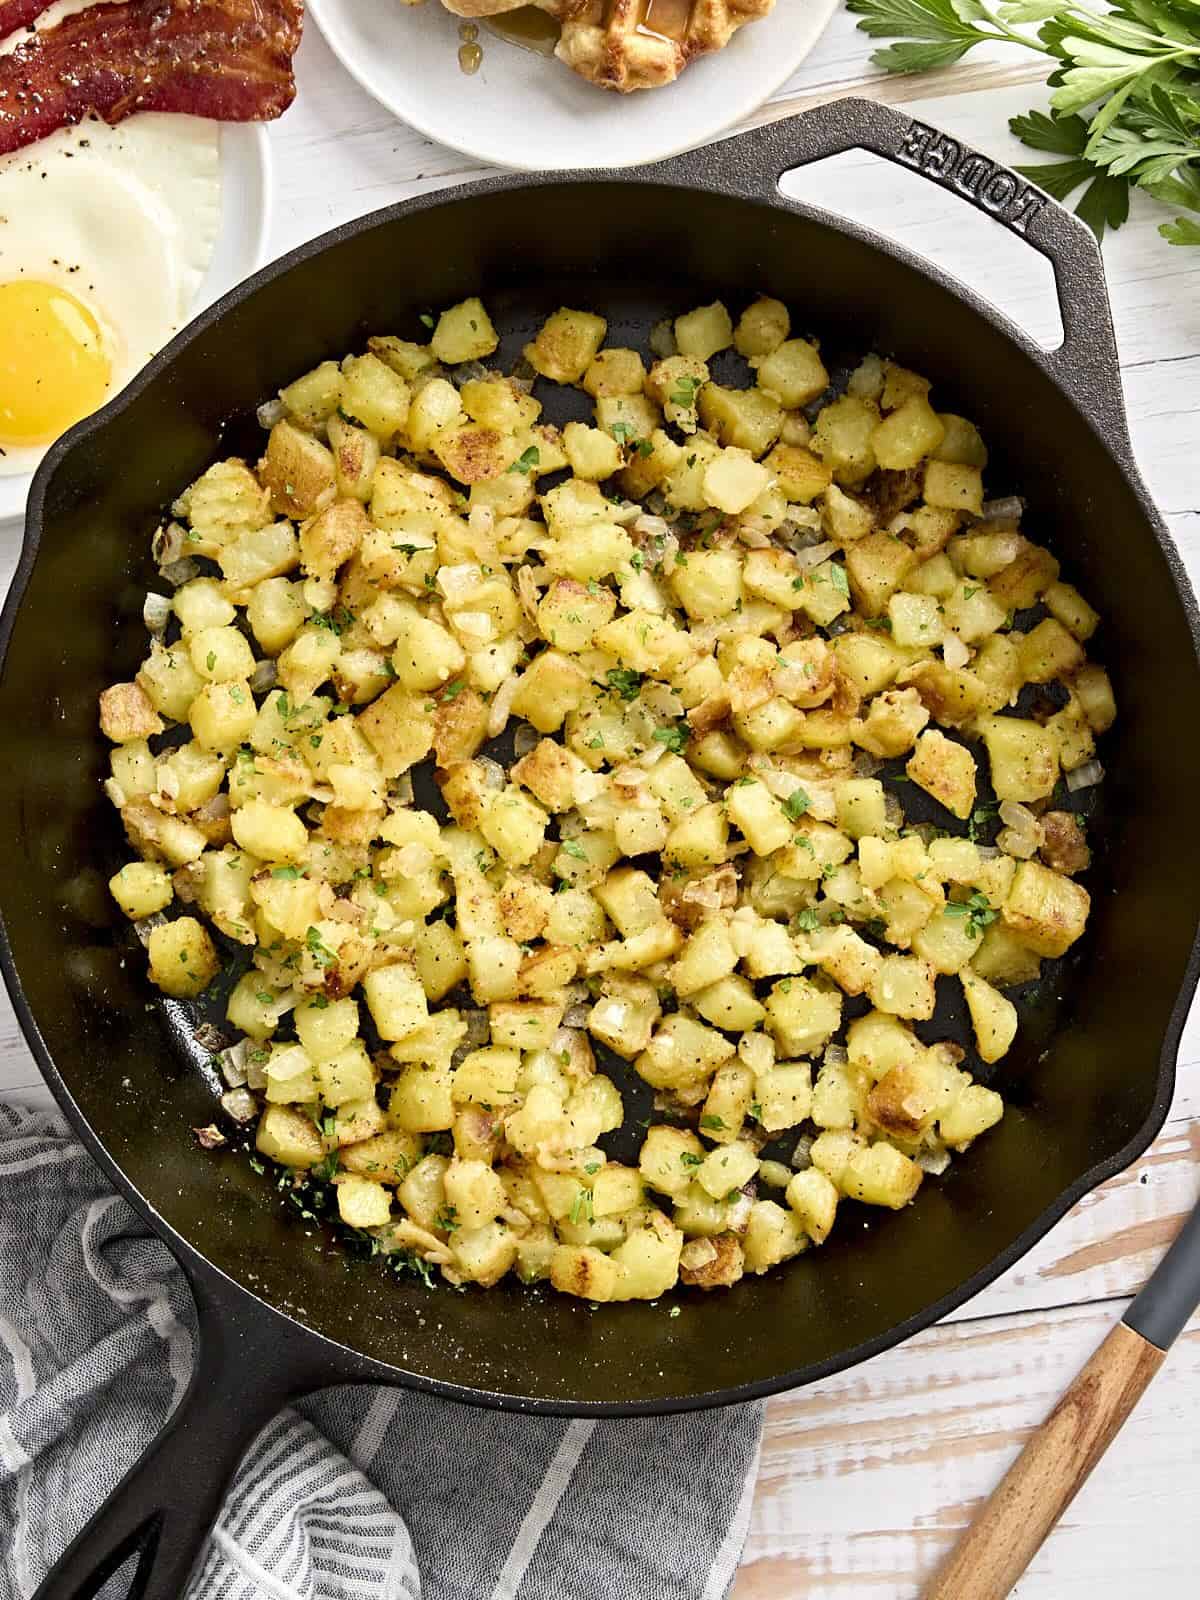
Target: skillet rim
[{"x": 215, "y": 1290}]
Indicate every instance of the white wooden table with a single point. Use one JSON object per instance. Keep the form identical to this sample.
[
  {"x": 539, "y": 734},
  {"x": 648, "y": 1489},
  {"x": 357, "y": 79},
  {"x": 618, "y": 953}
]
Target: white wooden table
[{"x": 867, "y": 1478}]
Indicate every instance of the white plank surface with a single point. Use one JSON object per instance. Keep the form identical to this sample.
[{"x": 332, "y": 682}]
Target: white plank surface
[{"x": 867, "y": 1477}]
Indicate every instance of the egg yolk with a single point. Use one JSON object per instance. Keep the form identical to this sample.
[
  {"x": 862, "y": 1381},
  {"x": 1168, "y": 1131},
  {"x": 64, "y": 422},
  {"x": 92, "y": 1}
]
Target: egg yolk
[{"x": 53, "y": 367}]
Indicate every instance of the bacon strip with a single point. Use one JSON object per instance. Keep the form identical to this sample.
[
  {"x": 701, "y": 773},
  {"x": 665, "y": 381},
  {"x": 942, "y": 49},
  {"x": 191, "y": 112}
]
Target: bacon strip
[
  {"x": 16, "y": 14},
  {"x": 227, "y": 59}
]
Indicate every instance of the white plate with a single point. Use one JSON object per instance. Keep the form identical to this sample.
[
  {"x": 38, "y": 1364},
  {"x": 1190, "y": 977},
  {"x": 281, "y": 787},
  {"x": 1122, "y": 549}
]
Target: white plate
[
  {"x": 530, "y": 111},
  {"x": 241, "y": 247}
]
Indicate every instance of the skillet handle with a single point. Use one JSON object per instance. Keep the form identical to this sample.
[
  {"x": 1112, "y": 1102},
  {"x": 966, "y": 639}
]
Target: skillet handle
[
  {"x": 1086, "y": 363},
  {"x": 167, "y": 1503}
]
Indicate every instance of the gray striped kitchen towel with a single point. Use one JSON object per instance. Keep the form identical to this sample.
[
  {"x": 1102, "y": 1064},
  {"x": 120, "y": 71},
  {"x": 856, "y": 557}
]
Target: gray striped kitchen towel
[{"x": 358, "y": 1494}]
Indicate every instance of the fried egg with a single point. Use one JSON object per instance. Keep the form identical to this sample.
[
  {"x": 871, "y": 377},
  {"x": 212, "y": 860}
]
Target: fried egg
[{"x": 105, "y": 238}]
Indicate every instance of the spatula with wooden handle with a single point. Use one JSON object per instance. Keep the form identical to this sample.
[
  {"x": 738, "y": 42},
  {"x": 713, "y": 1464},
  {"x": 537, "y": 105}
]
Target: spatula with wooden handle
[{"x": 1054, "y": 1465}]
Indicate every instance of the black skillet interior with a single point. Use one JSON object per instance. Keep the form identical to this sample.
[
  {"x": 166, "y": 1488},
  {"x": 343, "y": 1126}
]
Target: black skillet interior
[{"x": 1087, "y": 1087}]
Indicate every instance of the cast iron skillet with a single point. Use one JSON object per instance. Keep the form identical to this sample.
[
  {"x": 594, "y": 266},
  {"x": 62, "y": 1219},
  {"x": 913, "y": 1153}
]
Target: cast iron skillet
[{"x": 279, "y": 1312}]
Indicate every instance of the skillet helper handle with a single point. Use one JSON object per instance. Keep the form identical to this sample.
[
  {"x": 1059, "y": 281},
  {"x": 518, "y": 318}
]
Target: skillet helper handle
[
  {"x": 1086, "y": 362},
  {"x": 1054, "y": 1465},
  {"x": 167, "y": 1503}
]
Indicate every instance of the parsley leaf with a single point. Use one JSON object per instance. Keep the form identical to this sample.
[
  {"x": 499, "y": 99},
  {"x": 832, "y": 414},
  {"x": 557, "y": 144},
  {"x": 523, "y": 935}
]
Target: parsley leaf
[
  {"x": 625, "y": 681},
  {"x": 674, "y": 738},
  {"x": 527, "y": 460},
  {"x": 796, "y": 804}
]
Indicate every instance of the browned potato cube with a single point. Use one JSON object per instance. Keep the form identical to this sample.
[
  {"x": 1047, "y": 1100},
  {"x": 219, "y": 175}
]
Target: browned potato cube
[
  {"x": 945, "y": 770},
  {"x": 1046, "y": 910},
  {"x": 127, "y": 714}
]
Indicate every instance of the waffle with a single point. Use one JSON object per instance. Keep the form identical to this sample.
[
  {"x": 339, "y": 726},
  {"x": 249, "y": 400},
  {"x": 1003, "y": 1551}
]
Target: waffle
[
  {"x": 643, "y": 44},
  {"x": 632, "y": 44}
]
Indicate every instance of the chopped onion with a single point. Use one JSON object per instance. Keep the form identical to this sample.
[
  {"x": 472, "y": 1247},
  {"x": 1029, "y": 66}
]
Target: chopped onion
[
  {"x": 256, "y": 1071},
  {"x": 625, "y": 513},
  {"x": 988, "y": 852},
  {"x": 468, "y": 372},
  {"x": 156, "y": 613},
  {"x": 271, "y": 412},
  {"x": 233, "y": 1063},
  {"x": 954, "y": 652},
  {"x": 264, "y": 677},
  {"x": 802, "y": 1154},
  {"x": 146, "y": 926},
  {"x": 697, "y": 1253},
  {"x": 893, "y": 811},
  {"x": 527, "y": 592},
  {"x": 1085, "y": 777},
  {"x": 402, "y": 789},
  {"x": 501, "y": 707},
  {"x": 737, "y": 1212},
  {"x": 814, "y": 555},
  {"x": 177, "y": 573},
  {"x": 210, "y": 1138},
  {"x": 167, "y": 544},
  {"x": 576, "y": 1016},
  {"x": 836, "y": 1055},
  {"x": 1019, "y": 817},
  {"x": 240, "y": 1104},
  {"x": 1021, "y": 846},
  {"x": 934, "y": 1162},
  {"x": 209, "y": 1038},
  {"x": 492, "y": 772},
  {"x": 662, "y": 339},
  {"x": 478, "y": 1031},
  {"x": 754, "y": 537},
  {"x": 865, "y": 764},
  {"x": 460, "y": 581},
  {"x": 525, "y": 738},
  {"x": 774, "y": 1174},
  {"x": 1010, "y": 509}
]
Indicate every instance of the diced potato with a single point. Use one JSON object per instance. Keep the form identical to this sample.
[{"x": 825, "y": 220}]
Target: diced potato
[
  {"x": 993, "y": 1017},
  {"x": 802, "y": 1017},
  {"x": 1067, "y": 605},
  {"x": 183, "y": 961},
  {"x": 1046, "y": 910},
  {"x": 794, "y": 372},
  {"x": 614, "y": 371},
  {"x": 701, "y": 333},
  {"x": 813, "y": 1197},
  {"x": 876, "y": 567},
  {"x": 784, "y": 1096},
  {"x": 289, "y": 1137},
  {"x": 141, "y": 888},
  {"x": 772, "y": 1235},
  {"x": 880, "y": 1176},
  {"x": 749, "y": 419},
  {"x": 464, "y": 333},
  {"x": 945, "y": 770},
  {"x": 903, "y": 986},
  {"x": 395, "y": 1000},
  {"x": 954, "y": 486},
  {"x": 566, "y": 344},
  {"x": 1023, "y": 757},
  {"x": 762, "y": 328},
  {"x": 973, "y": 1112},
  {"x": 912, "y": 431}
]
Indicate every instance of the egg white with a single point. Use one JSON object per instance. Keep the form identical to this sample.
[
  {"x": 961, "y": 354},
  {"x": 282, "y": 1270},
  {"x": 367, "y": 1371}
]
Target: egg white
[{"x": 125, "y": 219}]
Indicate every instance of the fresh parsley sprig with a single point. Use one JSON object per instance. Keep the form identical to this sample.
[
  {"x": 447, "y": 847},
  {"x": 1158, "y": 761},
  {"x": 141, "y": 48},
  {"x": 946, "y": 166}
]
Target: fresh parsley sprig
[{"x": 1125, "y": 107}]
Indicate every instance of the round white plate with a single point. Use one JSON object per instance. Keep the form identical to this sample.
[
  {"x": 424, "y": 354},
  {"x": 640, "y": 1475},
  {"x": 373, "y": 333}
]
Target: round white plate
[
  {"x": 241, "y": 246},
  {"x": 530, "y": 111}
]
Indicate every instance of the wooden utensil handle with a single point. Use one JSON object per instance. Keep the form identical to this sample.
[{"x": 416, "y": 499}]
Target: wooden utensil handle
[{"x": 1044, "y": 1479}]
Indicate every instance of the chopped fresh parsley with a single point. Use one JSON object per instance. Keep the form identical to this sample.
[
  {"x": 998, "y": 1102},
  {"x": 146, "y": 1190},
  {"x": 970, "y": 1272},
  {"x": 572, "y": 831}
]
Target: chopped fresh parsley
[
  {"x": 527, "y": 460},
  {"x": 717, "y": 1124},
  {"x": 581, "y": 1207},
  {"x": 978, "y": 911},
  {"x": 318, "y": 949},
  {"x": 426, "y": 318},
  {"x": 796, "y": 804},
  {"x": 574, "y": 848},
  {"x": 625, "y": 681},
  {"x": 287, "y": 872},
  {"x": 675, "y": 738}
]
